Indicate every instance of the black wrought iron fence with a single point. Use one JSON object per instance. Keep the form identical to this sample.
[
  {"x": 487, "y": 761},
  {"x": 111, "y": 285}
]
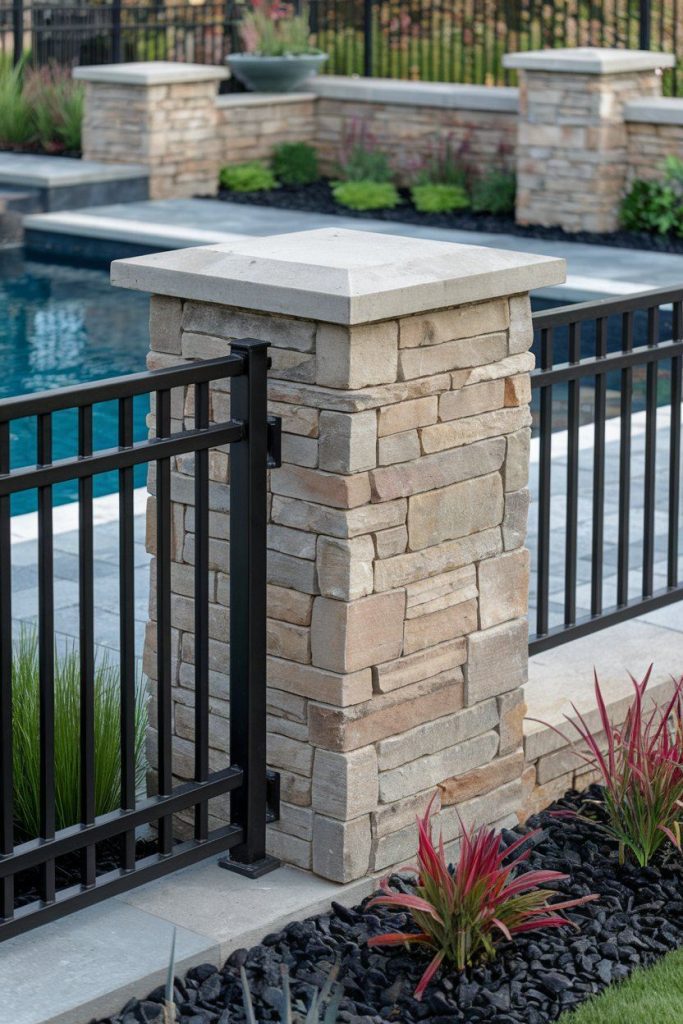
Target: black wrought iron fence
[
  {"x": 244, "y": 777},
  {"x": 605, "y": 527},
  {"x": 433, "y": 40}
]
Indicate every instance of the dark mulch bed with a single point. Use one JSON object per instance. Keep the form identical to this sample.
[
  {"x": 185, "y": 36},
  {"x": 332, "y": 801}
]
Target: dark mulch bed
[
  {"x": 638, "y": 918},
  {"x": 37, "y": 149},
  {"x": 317, "y": 198}
]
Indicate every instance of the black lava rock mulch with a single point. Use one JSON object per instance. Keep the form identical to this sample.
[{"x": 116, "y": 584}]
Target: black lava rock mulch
[
  {"x": 638, "y": 918},
  {"x": 317, "y": 198}
]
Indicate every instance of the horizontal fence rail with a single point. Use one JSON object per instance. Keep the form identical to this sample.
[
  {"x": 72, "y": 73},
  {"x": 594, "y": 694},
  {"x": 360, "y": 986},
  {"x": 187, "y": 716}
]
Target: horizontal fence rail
[
  {"x": 245, "y": 776},
  {"x": 430, "y": 40},
  {"x": 607, "y": 395}
]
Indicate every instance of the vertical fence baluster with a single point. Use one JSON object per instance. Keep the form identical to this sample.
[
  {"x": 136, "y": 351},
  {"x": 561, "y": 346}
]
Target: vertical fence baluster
[
  {"x": 164, "y": 661},
  {"x": 201, "y": 609},
  {"x": 626, "y": 402},
  {"x": 6, "y": 745},
  {"x": 597, "y": 546},
  {"x": 544, "y": 488},
  {"x": 86, "y": 648},
  {"x": 650, "y": 455},
  {"x": 127, "y": 629},
  {"x": 46, "y": 656},
  {"x": 248, "y": 606},
  {"x": 675, "y": 451},
  {"x": 573, "y": 413}
]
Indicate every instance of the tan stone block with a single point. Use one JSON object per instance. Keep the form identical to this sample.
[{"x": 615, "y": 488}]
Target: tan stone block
[
  {"x": 503, "y": 587},
  {"x": 537, "y": 798},
  {"x": 511, "y": 710},
  {"x": 521, "y": 326},
  {"x": 285, "y": 640},
  {"x": 226, "y": 322},
  {"x": 389, "y": 819},
  {"x": 481, "y": 780},
  {"x": 475, "y": 428},
  {"x": 516, "y": 471},
  {"x": 442, "y": 591},
  {"x": 439, "y": 470},
  {"x": 339, "y": 689},
  {"x": 473, "y": 399},
  {"x": 325, "y": 488},
  {"x": 455, "y": 511},
  {"x": 453, "y": 355},
  {"x": 300, "y": 451},
  {"x": 436, "y": 661},
  {"x": 453, "y": 554},
  {"x": 437, "y": 627},
  {"x": 345, "y": 567},
  {"x": 357, "y": 357},
  {"x": 348, "y": 637},
  {"x": 355, "y": 522},
  {"x": 341, "y": 850},
  {"x": 296, "y": 419},
  {"x": 295, "y": 789},
  {"x": 291, "y": 542},
  {"x": 395, "y": 419},
  {"x": 288, "y": 848},
  {"x": 430, "y": 737},
  {"x": 165, "y": 319},
  {"x": 345, "y": 785},
  {"x": 391, "y": 542},
  {"x": 518, "y": 390},
  {"x": 551, "y": 766},
  {"x": 348, "y": 441},
  {"x": 288, "y": 571},
  {"x": 452, "y": 324},
  {"x": 497, "y": 661},
  {"x": 289, "y": 605},
  {"x": 521, "y": 362},
  {"x": 398, "y": 448},
  {"x": 293, "y": 755},
  {"x": 431, "y": 769},
  {"x": 385, "y": 715},
  {"x": 515, "y": 519}
]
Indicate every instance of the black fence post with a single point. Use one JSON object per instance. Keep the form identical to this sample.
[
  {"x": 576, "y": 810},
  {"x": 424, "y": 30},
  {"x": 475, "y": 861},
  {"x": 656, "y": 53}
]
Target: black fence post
[
  {"x": 645, "y": 41},
  {"x": 116, "y": 32},
  {"x": 367, "y": 38},
  {"x": 248, "y": 547},
  {"x": 18, "y": 29}
]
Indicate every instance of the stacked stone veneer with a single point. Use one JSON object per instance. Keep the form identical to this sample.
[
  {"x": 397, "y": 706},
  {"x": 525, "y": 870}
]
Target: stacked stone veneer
[
  {"x": 398, "y": 576},
  {"x": 654, "y": 131},
  {"x": 250, "y": 125},
  {"x": 572, "y": 143}
]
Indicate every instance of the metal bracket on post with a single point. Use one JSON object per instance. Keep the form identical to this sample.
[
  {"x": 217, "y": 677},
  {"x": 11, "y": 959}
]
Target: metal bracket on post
[{"x": 274, "y": 442}]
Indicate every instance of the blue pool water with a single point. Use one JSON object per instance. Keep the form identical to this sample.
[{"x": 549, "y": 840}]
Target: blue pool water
[{"x": 62, "y": 325}]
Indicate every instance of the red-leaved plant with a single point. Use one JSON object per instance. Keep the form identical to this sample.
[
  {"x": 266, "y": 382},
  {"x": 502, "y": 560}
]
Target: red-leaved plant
[
  {"x": 640, "y": 765},
  {"x": 461, "y": 913}
]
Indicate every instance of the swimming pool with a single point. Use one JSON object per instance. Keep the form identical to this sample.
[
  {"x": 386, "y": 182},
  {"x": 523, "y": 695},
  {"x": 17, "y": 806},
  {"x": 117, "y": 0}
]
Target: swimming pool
[{"x": 62, "y": 325}]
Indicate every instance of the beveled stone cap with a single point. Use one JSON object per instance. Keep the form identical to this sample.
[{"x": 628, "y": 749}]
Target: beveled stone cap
[
  {"x": 338, "y": 276},
  {"x": 150, "y": 72},
  {"x": 654, "y": 110},
  {"x": 589, "y": 60}
]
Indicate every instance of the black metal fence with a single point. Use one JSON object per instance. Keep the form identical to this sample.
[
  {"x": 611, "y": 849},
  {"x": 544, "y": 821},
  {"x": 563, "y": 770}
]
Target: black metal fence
[
  {"x": 245, "y": 777},
  {"x": 607, "y": 417},
  {"x": 432, "y": 40}
]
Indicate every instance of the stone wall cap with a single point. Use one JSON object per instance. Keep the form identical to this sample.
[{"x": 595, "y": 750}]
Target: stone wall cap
[
  {"x": 337, "y": 275},
  {"x": 262, "y": 99},
  {"x": 655, "y": 110},
  {"x": 589, "y": 60},
  {"x": 152, "y": 72},
  {"x": 497, "y": 98}
]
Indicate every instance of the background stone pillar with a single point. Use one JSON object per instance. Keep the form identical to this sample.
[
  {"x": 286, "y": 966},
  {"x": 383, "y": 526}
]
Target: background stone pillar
[
  {"x": 160, "y": 114},
  {"x": 572, "y": 139},
  {"x": 398, "y": 577}
]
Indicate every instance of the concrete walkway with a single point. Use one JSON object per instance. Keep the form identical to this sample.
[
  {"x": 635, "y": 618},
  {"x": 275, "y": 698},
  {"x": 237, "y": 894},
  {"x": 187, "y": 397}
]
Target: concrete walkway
[{"x": 594, "y": 271}]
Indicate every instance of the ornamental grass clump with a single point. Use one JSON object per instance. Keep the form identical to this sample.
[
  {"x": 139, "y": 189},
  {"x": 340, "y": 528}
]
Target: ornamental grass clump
[
  {"x": 274, "y": 29},
  {"x": 640, "y": 765},
  {"x": 461, "y": 912}
]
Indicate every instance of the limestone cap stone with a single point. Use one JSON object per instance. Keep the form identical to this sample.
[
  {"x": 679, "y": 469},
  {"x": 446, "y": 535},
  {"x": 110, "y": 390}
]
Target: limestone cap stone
[
  {"x": 589, "y": 60},
  {"x": 150, "y": 72},
  {"x": 655, "y": 110},
  {"x": 337, "y": 275}
]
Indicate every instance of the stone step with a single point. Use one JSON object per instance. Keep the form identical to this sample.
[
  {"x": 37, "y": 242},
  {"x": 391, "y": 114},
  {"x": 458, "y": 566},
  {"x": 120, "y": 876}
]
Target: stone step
[{"x": 62, "y": 183}]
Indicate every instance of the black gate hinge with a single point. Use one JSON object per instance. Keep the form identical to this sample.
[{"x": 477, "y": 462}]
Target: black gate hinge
[
  {"x": 272, "y": 796},
  {"x": 274, "y": 442}
]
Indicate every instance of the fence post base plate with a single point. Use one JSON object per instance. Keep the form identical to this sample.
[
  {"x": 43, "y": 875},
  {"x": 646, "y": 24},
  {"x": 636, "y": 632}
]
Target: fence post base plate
[{"x": 255, "y": 870}]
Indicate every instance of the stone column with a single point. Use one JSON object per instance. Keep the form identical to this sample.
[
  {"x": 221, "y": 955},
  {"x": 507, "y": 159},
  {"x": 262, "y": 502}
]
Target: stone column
[
  {"x": 397, "y": 635},
  {"x": 161, "y": 114},
  {"x": 572, "y": 139}
]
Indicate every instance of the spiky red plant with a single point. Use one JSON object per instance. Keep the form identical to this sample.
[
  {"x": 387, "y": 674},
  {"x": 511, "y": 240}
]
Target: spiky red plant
[
  {"x": 640, "y": 764},
  {"x": 460, "y": 914}
]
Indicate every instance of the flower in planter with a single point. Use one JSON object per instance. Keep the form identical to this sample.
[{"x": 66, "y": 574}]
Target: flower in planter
[
  {"x": 274, "y": 29},
  {"x": 461, "y": 912}
]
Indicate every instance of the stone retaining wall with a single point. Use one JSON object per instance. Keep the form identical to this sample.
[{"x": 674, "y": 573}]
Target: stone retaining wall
[
  {"x": 249, "y": 125},
  {"x": 654, "y": 131}
]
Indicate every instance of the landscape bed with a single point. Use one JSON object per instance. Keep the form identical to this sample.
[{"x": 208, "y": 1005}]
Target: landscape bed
[
  {"x": 318, "y": 198},
  {"x": 637, "y": 919}
]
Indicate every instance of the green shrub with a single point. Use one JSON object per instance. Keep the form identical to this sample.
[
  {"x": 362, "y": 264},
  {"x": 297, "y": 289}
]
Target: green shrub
[
  {"x": 431, "y": 198},
  {"x": 656, "y": 206},
  {"x": 57, "y": 105},
  {"x": 366, "y": 195},
  {"x": 250, "y": 177},
  {"x": 365, "y": 164},
  {"x": 26, "y": 736},
  {"x": 16, "y": 123},
  {"x": 494, "y": 193},
  {"x": 295, "y": 163}
]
